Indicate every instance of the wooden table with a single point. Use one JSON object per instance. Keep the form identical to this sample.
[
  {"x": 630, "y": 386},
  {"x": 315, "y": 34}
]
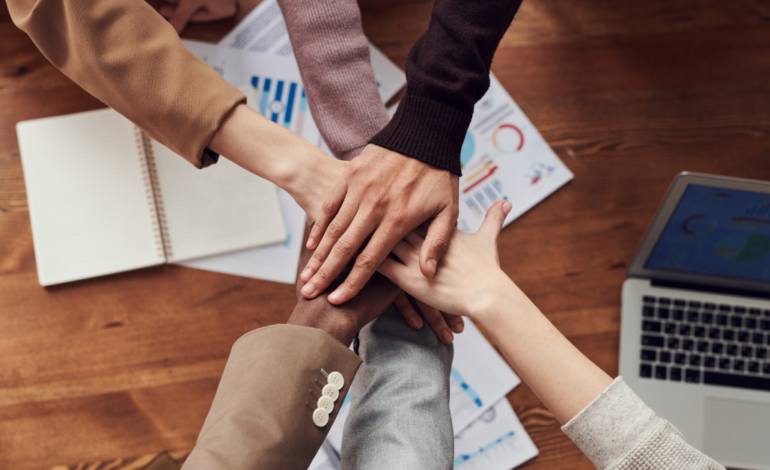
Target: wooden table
[{"x": 119, "y": 368}]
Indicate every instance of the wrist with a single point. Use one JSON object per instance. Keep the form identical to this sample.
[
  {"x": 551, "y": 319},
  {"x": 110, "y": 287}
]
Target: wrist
[
  {"x": 335, "y": 323},
  {"x": 500, "y": 294}
]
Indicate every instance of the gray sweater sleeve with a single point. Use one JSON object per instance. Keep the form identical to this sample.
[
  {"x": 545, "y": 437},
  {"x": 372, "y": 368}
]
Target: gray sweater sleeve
[{"x": 617, "y": 431}]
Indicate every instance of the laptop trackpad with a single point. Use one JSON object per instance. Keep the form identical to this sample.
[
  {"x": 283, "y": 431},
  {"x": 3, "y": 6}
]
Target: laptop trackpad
[{"x": 736, "y": 431}]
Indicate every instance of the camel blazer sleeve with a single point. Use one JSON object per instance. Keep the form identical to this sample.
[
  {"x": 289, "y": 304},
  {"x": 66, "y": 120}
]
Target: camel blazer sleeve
[
  {"x": 126, "y": 55},
  {"x": 261, "y": 417}
]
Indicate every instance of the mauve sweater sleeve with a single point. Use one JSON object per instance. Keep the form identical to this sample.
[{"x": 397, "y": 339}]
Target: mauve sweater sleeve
[
  {"x": 126, "y": 55},
  {"x": 333, "y": 56},
  {"x": 447, "y": 72}
]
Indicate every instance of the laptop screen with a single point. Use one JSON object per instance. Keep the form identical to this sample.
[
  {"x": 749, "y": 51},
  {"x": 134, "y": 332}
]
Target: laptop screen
[{"x": 718, "y": 232}]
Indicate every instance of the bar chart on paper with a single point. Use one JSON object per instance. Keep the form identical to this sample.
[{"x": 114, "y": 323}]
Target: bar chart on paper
[{"x": 283, "y": 102}]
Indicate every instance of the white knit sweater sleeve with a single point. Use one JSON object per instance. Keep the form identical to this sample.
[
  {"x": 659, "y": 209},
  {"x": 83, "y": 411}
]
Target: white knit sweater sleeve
[{"x": 617, "y": 431}]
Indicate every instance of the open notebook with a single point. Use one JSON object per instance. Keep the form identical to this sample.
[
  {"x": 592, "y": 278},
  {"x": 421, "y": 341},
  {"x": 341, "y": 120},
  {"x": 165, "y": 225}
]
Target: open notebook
[{"x": 105, "y": 198}]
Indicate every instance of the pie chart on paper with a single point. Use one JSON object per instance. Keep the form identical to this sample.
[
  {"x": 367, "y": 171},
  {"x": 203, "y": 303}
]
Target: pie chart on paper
[{"x": 508, "y": 138}]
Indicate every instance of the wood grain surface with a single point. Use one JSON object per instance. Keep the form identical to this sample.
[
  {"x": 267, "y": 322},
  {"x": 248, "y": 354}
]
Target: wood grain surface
[{"x": 109, "y": 372}]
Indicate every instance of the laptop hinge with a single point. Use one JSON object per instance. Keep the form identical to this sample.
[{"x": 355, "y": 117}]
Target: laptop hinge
[{"x": 710, "y": 289}]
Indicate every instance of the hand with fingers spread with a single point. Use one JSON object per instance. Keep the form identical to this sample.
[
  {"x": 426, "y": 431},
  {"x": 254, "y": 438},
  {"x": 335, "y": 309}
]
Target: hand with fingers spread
[
  {"x": 383, "y": 196},
  {"x": 469, "y": 276},
  {"x": 181, "y": 12}
]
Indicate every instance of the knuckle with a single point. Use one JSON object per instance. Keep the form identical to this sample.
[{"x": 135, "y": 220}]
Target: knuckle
[
  {"x": 328, "y": 206},
  {"x": 334, "y": 229},
  {"x": 398, "y": 217},
  {"x": 440, "y": 245},
  {"x": 366, "y": 262},
  {"x": 343, "y": 248},
  {"x": 318, "y": 257},
  {"x": 322, "y": 275},
  {"x": 380, "y": 199}
]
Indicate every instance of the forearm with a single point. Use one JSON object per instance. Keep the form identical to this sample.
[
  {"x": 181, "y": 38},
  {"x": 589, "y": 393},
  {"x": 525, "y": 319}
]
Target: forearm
[
  {"x": 126, "y": 55},
  {"x": 333, "y": 56},
  {"x": 564, "y": 379}
]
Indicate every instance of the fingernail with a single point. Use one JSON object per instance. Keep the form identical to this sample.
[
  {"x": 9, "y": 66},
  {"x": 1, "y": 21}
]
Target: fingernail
[
  {"x": 308, "y": 289},
  {"x": 446, "y": 336},
  {"x": 458, "y": 328},
  {"x": 432, "y": 265},
  {"x": 507, "y": 207},
  {"x": 306, "y": 275},
  {"x": 336, "y": 296},
  {"x": 417, "y": 324},
  {"x": 310, "y": 243}
]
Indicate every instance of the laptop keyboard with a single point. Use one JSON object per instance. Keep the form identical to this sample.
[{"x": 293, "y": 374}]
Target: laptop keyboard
[{"x": 699, "y": 342}]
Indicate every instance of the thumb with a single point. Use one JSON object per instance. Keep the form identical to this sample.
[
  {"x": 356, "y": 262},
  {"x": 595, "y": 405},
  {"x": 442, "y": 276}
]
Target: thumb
[
  {"x": 436, "y": 242},
  {"x": 493, "y": 221}
]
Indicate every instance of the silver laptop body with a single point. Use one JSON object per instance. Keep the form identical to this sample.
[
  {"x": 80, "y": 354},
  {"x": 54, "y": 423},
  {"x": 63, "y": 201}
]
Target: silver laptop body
[{"x": 695, "y": 321}]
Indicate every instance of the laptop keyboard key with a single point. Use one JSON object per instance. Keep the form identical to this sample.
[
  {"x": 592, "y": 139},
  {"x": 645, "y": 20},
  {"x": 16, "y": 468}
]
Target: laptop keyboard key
[
  {"x": 709, "y": 361},
  {"x": 728, "y": 334},
  {"x": 645, "y": 371},
  {"x": 760, "y": 353},
  {"x": 692, "y": 316},
  {"x": 652, "y": 326},
  {"x": 766, "y": 368},
  {"x": 717, "y": 348},
  {"x": 754, "y": 367},
  {"x": 740, "y": 310},
  {"x": 715, "y": 333},
  {"x": 675, "y": 374},
  {"x": 679, "y": 302},
  {"x": 765, "y": 324},
  {"x": 695, "y": 360},
  {"x": 722, "y": 320},
  {"x": 732, "y": 349},
  {"x": 670, "y": 328},
  {"x": 672, "y": 343},
  {"x": 751, "y": 323},
  {"x": 692, "y": 376},
  {"x": 661, "y": 372},
  {"x": 663, "y": 314},
  {"x": 649, "y": 355},
  {"x": 694, "y": 304},
  {"x": 680, "y": 358},
  {"x": 665, "y": 357},
  {"x": 758, "y": 338},
  {"x": 755, "y": 311},
  {"x": 747, "y": 351},
  {"x": 743, "y": 336},
  {"x": 703, "y": 346},
  {"x": 724, "y": 308},
  {"x": 699, "y": 332},
  {"x": 736, "y": 322},
  {"x": 739, "y": 365},
  {"x": 664, "y": 301},
  {"x": 648, "y": 311},
  {"x": 707, "y": 318},
  {"x": 688, "y": 344},
  {"x": 653, "y": 341},
  {"x": 735, "y": 380},
  {"x": 709, "y": 306},
  {"x": 684, "y": 329},
  {"x": 678, "y": 315},
  {"x": 648, "y": 299},
  {"x": 724, "y": 363}
]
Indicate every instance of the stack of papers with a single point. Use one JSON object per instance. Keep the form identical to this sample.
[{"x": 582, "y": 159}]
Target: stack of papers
[{"x": 488, "y": 435}]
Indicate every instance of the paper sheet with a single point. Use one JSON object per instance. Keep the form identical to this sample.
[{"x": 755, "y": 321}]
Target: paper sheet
[
  {"x": 264, "y": 30},
  {"x": 480, "y": 378},
  {"x": 504, "y": 157},
  {"x": 495, "y": 441}
]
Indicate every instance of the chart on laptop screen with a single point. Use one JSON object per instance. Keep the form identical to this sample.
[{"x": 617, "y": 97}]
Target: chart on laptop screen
[{"x": 719, "y": 232}]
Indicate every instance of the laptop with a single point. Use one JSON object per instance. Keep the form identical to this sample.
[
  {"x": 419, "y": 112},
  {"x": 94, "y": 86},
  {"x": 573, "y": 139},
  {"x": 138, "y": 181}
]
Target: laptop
[{"x": 695, "y": 321}]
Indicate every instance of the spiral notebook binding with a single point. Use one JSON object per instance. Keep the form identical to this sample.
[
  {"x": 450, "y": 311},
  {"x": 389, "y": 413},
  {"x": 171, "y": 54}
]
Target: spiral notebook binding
[{"x": 154, "y": 198}]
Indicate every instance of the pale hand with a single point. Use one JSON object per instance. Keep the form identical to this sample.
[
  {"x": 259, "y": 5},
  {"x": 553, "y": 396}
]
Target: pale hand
[
  {"x": 468, "y": 278},
  {"x": 383, "y": 195}
]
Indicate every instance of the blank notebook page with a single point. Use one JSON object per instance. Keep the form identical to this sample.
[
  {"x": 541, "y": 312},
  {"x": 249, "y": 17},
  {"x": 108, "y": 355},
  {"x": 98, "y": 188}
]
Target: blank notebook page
[
  {"x": 217, "y": 209},
  {"x": 89, "y": 205}
]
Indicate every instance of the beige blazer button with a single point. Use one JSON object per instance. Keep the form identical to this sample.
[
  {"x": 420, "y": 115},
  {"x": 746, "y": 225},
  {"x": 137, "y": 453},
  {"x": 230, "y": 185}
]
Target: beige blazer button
[
  {"x": 320, "y": 417},
  {"x": 331, "y": 391},
  {"x": 326, "y": 403},
  {"x": 336, "y": 379}
]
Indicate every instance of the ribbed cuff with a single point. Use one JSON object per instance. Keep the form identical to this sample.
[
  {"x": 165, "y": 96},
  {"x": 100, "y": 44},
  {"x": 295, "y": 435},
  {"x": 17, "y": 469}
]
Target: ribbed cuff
[{"x": 428, "y": 131}]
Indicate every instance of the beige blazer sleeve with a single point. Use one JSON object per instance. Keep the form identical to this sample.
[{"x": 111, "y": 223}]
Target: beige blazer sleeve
[
  {"x": 125, "y": 54},
  {"x": 261, "y": 417}
]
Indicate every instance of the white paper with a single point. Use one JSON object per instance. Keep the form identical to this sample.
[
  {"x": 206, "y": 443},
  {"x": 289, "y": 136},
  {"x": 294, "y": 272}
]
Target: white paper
[
  {"x": 495, "y": 441},
  {"x": 325, "y": 459},
  {"x": 504, "y": 157},
  {"x": 480, "y": 378},
  {"x": 264, "y": 30}
]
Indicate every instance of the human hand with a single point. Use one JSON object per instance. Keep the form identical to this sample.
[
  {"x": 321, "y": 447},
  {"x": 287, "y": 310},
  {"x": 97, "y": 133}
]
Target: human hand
[
  {"x": 385, "y": 195},
  {"x": 442, "y": 324},
  {"x": 181, "y": 12},
  {"x": 343, "y": 322},
  {"x": 469, "y": 277}
]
